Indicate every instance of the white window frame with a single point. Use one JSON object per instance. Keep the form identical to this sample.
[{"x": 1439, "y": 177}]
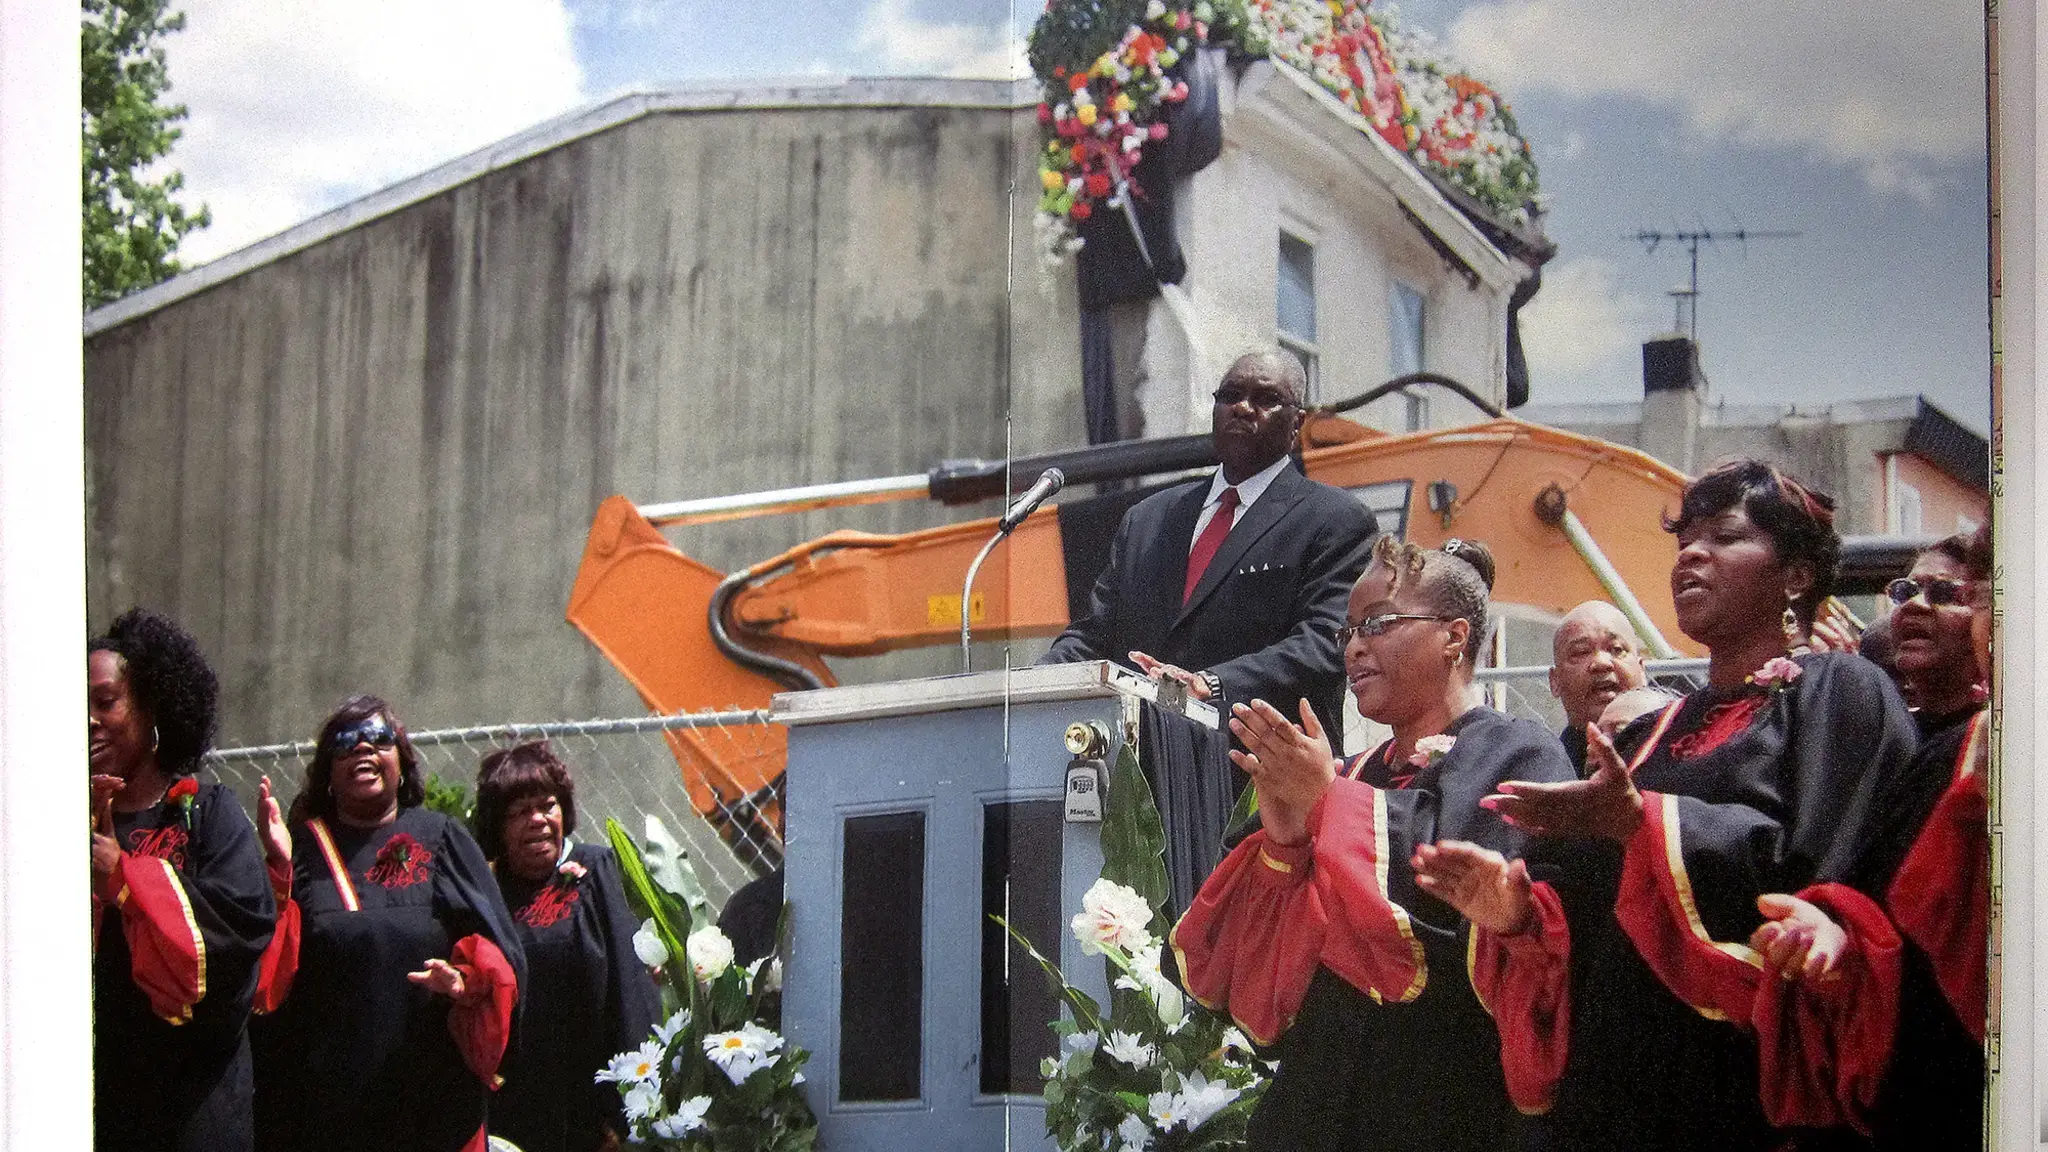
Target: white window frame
[{"x": 1308, "y": 348}]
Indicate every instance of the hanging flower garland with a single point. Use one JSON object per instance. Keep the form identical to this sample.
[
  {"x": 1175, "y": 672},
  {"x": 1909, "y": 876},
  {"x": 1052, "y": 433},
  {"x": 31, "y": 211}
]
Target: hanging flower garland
[
  {"x": 1110, "y": 73},
  {"x": 1102, "y": 105}
]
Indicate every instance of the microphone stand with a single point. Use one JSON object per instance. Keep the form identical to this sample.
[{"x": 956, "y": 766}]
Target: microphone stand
[{"x": 1051, "y": 481}]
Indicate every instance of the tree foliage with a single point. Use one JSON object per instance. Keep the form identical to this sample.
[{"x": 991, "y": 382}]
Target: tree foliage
[{"x": 132, "y": 222}]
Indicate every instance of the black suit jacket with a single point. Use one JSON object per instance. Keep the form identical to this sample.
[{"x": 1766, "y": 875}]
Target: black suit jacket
[{"x": 1262, "y": 617}]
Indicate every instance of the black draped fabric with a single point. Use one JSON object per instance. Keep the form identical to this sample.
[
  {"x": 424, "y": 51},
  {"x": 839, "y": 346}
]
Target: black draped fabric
[
  {"x": 1098, "y": 377},
  {"x": 751, "y": 916},
  {"x": 1933, "y": 1090},
  {"x": 1110, "y": 267},
  {"x": 358, "y": 1057},
  {"x": 187, "y": 1086},
  {"x": 587, "y": 998},
  {"x": 1771, "y": 808},
  {"x": 1424, "y": 1076},
  {"x": 1196, "y": 787}
]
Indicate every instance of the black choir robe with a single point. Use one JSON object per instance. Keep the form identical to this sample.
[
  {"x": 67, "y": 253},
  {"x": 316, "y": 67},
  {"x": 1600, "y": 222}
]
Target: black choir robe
[
  {"x": 352, "y": 1055},
  {"x": 1932, "y": 1094},
  {"x": 1642, "y": 1008},
  {"x": 174, "y": 966},
  {"x": 587, "y": 998},
  {"x": 1328, "y": 952}
]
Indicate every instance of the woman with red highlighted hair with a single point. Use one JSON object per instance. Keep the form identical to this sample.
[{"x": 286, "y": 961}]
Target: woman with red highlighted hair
[
  {"x": 392, "y": 986},
  {"x": 1312, "y": 934},
  {"x": 181, "y": 911},
  {"x": 1641, "y": 1017}
]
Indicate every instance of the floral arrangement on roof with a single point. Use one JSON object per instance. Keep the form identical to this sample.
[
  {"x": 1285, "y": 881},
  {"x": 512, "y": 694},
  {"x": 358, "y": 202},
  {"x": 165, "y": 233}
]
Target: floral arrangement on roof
[
  {"x": 717, "y": 1074},
  {"x": 1155, "y": 1071},
  {"x": 1110, "y": 72}
]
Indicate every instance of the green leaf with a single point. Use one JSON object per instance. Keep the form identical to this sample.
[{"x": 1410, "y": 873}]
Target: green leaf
[
  {"x": 1247, "y": 808},
  {"x": 671, "y": 918},
  {"x": 1133, "y": 838},
  {"x": 1085, "y": 1009}
]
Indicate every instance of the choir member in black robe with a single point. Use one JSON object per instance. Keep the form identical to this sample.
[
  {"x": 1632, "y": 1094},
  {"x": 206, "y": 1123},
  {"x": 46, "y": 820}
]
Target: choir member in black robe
[
  {"x": 1312, "y": 934},
  {"x": 181, "y": 909},
  {"x": 1745, "y": 787},
  {"x": 587, "y": 996},
  {"x": 392, "y": 986},
  {"x": 1915, "y": 951}
]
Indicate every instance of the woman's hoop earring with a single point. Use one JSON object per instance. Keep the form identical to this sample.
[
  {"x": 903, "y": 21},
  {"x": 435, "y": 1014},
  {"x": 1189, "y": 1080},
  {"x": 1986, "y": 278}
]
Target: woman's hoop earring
[{"x": 156, "y": 738}]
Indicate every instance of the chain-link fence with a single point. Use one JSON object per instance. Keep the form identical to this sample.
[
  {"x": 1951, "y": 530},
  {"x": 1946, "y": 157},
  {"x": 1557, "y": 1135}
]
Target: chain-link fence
[
  {"x": 1525, "y": 691},
  {"x": 626, "y": 769}
]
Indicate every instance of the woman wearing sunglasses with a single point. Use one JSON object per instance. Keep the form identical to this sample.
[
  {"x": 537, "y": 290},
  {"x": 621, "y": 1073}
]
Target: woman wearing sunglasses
[
  {"x": 1628, "y": 985},
  {"x": 588, "y": 996},
  {"x": 1907, "y": 966},
  {"x": 392, "y": 986},
  {"x": 1312, "y": 934},
  {"x": 181, "y": 911}
]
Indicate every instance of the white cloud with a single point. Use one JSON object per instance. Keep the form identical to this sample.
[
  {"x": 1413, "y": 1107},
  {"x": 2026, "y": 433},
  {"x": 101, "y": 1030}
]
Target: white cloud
[
  {"x": 903, "y": 43},
  {"x": 1888, "y": 91},
  {"x": 300, "y": 105},
  {"x": 1582, "y": 331}
]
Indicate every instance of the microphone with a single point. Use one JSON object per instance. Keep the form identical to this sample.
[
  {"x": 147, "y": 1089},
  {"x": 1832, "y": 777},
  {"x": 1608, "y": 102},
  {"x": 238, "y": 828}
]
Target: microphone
[{"x": 1049, "y": 482}]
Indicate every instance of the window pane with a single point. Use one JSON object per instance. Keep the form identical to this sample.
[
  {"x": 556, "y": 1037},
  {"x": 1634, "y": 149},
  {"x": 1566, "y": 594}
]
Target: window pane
[
  {"x": 1297, "y": 288},
  {"x": 881, "y": 959},
  {"x": 1405, "y": 331},
  {"x": 1020, "y": 881}
]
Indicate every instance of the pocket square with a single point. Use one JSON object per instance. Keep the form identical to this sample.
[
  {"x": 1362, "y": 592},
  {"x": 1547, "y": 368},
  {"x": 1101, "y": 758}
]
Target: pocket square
[{"x": 1260, "y": 569}]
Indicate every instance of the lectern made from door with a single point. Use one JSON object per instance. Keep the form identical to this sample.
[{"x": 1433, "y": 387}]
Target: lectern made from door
[{"x": 914, "y": 811}]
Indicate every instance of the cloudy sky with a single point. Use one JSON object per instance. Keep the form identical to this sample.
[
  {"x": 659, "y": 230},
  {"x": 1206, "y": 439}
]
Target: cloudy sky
[{"x": 1860, "y": 126}]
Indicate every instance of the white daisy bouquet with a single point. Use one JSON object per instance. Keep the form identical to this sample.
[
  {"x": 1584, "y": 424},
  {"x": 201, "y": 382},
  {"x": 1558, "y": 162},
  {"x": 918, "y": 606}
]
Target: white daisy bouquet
[
  {"x": 1154, "y": 1072},
  {"x": 717, "y": 1074}
]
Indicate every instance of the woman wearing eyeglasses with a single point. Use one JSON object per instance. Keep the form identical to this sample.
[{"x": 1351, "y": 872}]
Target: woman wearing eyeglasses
[
  {"x": 1908, "y": 966},
  {"x": 1312, "y": 934},
  {"x": 1625, "y": 991},
  {"x": 181, "y": 911},
  {"x": 588, "y": 997},
  {"x": 392, "y": 986}
]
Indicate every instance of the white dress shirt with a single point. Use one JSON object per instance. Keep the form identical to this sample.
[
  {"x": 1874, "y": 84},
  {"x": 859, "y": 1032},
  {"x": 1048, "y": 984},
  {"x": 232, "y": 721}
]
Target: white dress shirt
[{"x": 1248, "y": 493}]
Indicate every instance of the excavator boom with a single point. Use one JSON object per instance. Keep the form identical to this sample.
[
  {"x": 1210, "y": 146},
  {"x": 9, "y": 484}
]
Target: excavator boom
[{"x": 689, "y": 638}]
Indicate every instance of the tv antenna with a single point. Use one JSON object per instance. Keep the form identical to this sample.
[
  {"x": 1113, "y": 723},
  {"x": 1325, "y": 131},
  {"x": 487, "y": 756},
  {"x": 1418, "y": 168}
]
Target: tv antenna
[{"x": 1686, "y": 298}]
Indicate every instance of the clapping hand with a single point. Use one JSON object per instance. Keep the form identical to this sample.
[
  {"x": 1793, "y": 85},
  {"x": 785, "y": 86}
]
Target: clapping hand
[
  {"x": 1485, "y": 887},
  {"x": 1798, "y": 940},
  {"x": 1605, "y": 805},
  {"x": 277, "y": 839},
  {"x": 106, "y": 851},
  {"x": 440, "y": 978},
  {"x": 1291, "y": 766}
]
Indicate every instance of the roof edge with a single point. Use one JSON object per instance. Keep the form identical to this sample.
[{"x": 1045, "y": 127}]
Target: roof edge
[{"x": 602, "y": 116}]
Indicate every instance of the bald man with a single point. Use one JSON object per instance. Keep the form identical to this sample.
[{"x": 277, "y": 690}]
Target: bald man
[{"x": 1595, "y": 657}]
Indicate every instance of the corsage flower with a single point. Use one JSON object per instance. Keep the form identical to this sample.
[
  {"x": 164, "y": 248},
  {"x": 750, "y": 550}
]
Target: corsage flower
[
  {"x": 1431, "y": 750},
  {"x": 182, "y": 794},
  {"x": 1777, "y": 672}
]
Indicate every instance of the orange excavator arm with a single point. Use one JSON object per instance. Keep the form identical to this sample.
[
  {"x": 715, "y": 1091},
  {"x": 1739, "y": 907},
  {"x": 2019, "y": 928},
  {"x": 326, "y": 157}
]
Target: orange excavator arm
[{"x": 692, "y": 639}]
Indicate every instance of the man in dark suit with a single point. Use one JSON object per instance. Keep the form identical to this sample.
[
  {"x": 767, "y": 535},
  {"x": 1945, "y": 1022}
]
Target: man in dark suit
[{"x": 1235, "y": 585}]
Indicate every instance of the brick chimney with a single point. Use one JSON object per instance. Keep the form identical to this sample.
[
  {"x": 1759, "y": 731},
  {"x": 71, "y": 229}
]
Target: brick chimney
[{"x": 1672, "y": 390}]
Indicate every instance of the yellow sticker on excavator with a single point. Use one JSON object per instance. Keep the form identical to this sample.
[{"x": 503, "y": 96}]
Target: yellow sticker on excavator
[{"x": 943, "y": 611}]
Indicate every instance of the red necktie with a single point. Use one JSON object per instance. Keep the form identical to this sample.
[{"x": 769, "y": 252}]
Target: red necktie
[{"x": 1209, "y": 541}]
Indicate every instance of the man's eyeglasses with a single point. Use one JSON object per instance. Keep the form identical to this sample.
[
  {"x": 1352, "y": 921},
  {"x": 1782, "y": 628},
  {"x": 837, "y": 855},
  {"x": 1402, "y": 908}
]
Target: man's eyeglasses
[
  {"x": 1263, "y": 399},
  {"x": 371, "y": 730},
  {"x": 1940, "y": 593},
  {"x": 1376, "y": 625}
]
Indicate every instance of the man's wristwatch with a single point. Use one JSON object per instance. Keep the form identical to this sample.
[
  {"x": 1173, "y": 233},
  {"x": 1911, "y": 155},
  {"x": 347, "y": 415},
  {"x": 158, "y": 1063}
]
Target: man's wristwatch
[{"x": 1215, "y": 686}]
